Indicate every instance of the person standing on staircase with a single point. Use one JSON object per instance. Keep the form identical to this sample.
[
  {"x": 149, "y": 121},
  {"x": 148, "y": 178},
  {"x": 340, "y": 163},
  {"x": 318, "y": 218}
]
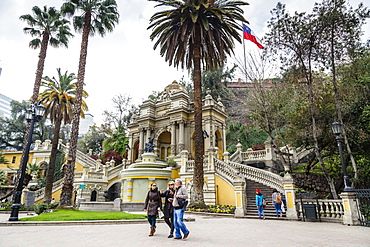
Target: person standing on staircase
[
  {"x": 260, "y": 199},
  {"x": 153, "y": 204},
  {"x": 276, "y": 199}
]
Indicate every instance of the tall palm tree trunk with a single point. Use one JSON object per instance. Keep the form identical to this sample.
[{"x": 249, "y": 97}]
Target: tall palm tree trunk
[
  {"x": 198, "y": 179},
  {"x": 35, "y": 94},
  {"x": 67, "y": 190},
  {"x": 51, "y": 167}
]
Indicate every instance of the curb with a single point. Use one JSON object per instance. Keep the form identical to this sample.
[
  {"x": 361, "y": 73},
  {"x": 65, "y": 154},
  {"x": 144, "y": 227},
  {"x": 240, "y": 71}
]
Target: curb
[{"x": 85, "y": 222}]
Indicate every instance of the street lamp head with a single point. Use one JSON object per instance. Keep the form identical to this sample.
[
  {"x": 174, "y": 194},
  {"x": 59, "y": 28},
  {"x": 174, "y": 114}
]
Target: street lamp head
[
  {"x": 337, "y": 128},
  {"x": 39, "y": 111},
  {"x": 29, "y": 115}
]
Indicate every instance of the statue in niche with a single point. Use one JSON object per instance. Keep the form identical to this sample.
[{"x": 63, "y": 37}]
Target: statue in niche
[{"x": 149, "y": 146}]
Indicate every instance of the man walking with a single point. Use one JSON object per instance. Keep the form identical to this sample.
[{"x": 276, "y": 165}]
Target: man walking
[{"x": 179, "y": 204}]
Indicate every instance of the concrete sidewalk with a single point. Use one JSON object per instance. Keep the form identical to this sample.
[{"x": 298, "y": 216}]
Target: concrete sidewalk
[{"x": 204, "y": 231}]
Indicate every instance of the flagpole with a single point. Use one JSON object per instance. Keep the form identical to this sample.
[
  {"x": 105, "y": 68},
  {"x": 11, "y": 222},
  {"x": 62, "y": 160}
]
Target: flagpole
[{"x": 245, "y": 60}]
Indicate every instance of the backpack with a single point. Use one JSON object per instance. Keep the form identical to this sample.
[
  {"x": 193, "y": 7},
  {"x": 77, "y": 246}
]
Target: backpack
[
  {"x": 278, "y": 198},
  {"x": 264, "y": 203}
]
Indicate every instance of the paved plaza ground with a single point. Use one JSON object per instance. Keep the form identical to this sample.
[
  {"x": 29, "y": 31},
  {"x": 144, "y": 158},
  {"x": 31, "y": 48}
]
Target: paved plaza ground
[{"x": 204, "y": 231}]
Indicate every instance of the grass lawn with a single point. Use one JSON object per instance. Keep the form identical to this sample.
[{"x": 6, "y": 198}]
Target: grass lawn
[{"x": 73, "y": 215}]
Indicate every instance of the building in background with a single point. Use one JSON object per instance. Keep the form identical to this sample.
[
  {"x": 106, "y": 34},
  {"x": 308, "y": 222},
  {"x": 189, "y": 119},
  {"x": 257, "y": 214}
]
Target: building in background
[
  {"x": 85, "y": 124},
  {"x": 5, "y": 109}
]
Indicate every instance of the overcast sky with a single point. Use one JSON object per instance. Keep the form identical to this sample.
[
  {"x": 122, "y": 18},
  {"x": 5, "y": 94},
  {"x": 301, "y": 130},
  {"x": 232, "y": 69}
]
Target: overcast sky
[{"x": 123, "y": 62}]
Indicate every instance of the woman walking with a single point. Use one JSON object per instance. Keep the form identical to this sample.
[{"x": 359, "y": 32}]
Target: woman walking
[
  {"x": 153, "y": 204},
  {"x": 276, "y": 199},
  {"x": 260, "y": 203},
  {"x": 168, "y": 208}
]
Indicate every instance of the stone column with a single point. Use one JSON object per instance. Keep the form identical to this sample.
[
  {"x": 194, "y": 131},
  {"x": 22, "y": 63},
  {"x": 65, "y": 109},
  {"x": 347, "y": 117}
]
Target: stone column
[
  {"x": 239, "y": 186},
  {"x": 289, "y": 190},
  {"x": 211, "y": 155},
  {"x": 130, "y": 187},
  {"x": 350, "y": 216},
  {"x": 181, "y": 144},
  {"x": 184, "y": 159},
  {"x": 173, "y": 139},
  {"x": 226, "y": 157},
  {"x": 148, "y": 131},
  {"x": 141, "y": 143}
]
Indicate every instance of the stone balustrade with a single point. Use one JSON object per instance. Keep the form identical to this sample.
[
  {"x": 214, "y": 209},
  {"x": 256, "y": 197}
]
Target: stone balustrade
[
  {"x": 39, "y": 194},
  {"x": 254, "y": 155},
  {"x": 190, "y": 165},
  {"x": 329, "y": 210},
  {"x": 258, "y": 175}
]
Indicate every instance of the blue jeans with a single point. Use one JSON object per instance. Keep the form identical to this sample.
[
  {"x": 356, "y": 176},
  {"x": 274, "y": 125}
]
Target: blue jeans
[
  {"x": 152, "y": 219},
  {"x": 260, "y": 212},
  {"x": 178, "y": 221},
  {"x": 278, "y": 208}
]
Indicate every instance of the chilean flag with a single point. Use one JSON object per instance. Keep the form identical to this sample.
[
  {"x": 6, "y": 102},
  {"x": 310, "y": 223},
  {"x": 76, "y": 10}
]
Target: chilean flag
[{"x": 249, "y": 35}]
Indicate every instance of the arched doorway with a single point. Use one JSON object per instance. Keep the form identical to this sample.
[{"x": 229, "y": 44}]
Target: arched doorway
[
  {"x": 219, "y": 143},
  {"x": 114, "y": 191},
  {"x": 164, "y": 145},
  {"x": 93, "y": 196}
]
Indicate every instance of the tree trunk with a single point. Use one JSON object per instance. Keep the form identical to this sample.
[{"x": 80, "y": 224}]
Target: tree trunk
[
  {"x": 35, "y": 95},
  {"x": 197, "y": 196},
  {"x": 314, "y": 133},
  {"x": 67, "y": 190},
  {"x": 51, "y": 167}
]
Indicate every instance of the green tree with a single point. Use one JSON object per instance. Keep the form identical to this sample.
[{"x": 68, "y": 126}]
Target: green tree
[
  {"x": 47, "y": 26},
  {"x": 89, "y": 17},
  {"x": 248, "y": 137},
  {"x": 93, "y": 139},
  {"x": 59, "y": 100},
  {"x": 116, "y": 142},
  {"x": 216, "y": 82},
  {"x": 295, "y": 38},
  {"x": 191, "y": 33},
  {"x": 13, "y": 129}
]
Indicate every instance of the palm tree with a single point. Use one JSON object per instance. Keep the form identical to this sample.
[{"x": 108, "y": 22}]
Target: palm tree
[
  {"x": 58, "y": 99},
  {"x": 95, "y": 16},
  {"x": 192, "y": 33},
  {"x": 47, "y": 26}
]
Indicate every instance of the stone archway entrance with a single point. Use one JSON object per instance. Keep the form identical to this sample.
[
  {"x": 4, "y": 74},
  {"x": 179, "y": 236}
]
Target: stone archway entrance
[
  {"x": 114, "y": 191},
  {"x": 164, "y": 145}
]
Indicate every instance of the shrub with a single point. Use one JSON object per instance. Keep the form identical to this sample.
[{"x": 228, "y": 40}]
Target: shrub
[{"x": 225, "y": 209}]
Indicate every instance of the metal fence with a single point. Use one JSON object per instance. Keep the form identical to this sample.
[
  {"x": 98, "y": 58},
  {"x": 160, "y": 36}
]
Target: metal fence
[{"x": 363, "y": 204}]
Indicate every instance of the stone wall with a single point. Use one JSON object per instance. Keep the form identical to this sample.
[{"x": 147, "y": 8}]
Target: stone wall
[{"x": 311, "y": 182}]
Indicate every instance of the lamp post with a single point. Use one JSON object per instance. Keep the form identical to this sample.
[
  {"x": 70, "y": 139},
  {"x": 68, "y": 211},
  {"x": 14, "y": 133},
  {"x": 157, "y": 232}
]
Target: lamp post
[
  {"x": 337, "y": 130},
  {"x": 34, "y": 114}
]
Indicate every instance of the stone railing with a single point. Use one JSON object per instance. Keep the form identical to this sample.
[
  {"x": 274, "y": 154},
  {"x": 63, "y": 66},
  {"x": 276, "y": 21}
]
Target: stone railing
[
  {"x": 258, "y": 175},
  {"x": 236, "y": 157},
  {"x": 254, "y": 155},
  {"x": 39, "y": 194},
  {"x": 81, "y": 158},
  {"x": 113, "y": 172},
  {"x": 329, "y": 210},
  {"x": 95, "y": 175},
  {"x": 226, "y": 171},
  {"x": 190, "y": 165}
]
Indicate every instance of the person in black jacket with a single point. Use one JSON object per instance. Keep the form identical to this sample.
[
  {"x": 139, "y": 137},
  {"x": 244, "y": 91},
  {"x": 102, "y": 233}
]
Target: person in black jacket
[
  {"x": 168, "y": 208},
  {"x": 153, "y": 204}
]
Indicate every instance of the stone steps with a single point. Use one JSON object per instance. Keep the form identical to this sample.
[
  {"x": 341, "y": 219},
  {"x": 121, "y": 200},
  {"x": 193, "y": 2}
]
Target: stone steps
[{"x": 251, "y": 209}]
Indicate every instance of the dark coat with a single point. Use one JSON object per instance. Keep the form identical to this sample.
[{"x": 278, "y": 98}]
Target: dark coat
[
  {"x": 153, "y": 201},
  {"x": 168, "y": 208}
]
